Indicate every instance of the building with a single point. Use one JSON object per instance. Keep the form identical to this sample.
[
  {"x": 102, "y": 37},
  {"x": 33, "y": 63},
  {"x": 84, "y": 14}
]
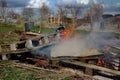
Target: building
[
  {"x": 53, "y": 21},
  {"x": 112, "y": 21}
]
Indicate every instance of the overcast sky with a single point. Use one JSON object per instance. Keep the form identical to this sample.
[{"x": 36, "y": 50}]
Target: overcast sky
[{"x": 52, "y": 3}]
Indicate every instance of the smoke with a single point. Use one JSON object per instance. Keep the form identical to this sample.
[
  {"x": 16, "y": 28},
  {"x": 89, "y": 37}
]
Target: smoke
[
  {"x": 101, "y": 39},
  {"x": 79, "y": 46},
  {"x": 76, "y": 47},
  {"x": 87, "y": 46},
  {"x": 68, "y": 48}
]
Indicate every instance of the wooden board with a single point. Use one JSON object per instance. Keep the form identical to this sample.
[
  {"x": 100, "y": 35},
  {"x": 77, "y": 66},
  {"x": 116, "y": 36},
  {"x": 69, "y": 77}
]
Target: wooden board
[
  {"x": 14, "y": 51},
  {"x": 95, "y": 67}
]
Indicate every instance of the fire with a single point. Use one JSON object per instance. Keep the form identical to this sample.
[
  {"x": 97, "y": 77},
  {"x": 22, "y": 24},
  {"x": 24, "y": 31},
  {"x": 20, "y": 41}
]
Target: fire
[
  {"x": 101, "y": 62},
  {"x": 65, "y": 34},
  {"x": 107, "y": 48}
]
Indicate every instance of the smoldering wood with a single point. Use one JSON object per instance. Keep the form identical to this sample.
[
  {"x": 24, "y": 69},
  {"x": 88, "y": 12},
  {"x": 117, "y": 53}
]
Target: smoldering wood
[{"x": 94, "y": 67}]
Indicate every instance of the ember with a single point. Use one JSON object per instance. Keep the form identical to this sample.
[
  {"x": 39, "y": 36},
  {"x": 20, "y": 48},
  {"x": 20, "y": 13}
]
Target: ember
[{"x": 101, "y": 62}]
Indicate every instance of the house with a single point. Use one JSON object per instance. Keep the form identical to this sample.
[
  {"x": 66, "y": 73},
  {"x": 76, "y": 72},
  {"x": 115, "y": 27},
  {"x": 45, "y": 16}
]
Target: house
[
  {"x": 53, "y": 21},
  {"x": 112, "y": 21}
]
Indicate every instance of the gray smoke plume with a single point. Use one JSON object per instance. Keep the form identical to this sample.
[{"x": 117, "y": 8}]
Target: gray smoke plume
[
  {"x": 79, "y": 47},
  {"x": 86, "y": 46},
  {"x": 68, "y": 48}
]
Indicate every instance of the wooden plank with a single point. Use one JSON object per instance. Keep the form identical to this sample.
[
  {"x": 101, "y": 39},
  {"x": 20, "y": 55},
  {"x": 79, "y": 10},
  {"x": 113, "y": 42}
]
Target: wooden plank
[
  {"x": 47, "y": 44},
  {"x": 14, "y": 51},
  {"x": 95, "y": 67},
  {"x": 116, "y": 47},
  {"x": 22, "y": 50},
  {"x": 19, "y": 42},
  {"x": 31, "y": 33}
]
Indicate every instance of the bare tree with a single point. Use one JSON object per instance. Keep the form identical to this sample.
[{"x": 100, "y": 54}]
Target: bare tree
[
  {"x": 95, "y": 13},
  {"x": 28, "y": 13},
  {"x": 3, "y": 8},
  {"x": 62, "y": 13},
  {"x": 45, "y": 12},
  {"x": 75, "y": 11},
  {"x": 12, "y": 14},
  {"x": 72, "y": 11}
]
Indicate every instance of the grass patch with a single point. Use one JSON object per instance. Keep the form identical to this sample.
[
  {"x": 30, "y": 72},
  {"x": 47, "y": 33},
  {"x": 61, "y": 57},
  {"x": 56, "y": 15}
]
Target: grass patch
[
  {"x": 8, "y": 72},
  {"x": 9, "y": 40},
  {"x": 12, "y": 73},
  {"x": 47, "y": 30},
  {"x": 116, "y": 34},
  {"x": 5, "y": 36},
  {"x": 8, "y": 27},
  {"x": 43, "y": 30},
  {"x": 82, "y": 32}
]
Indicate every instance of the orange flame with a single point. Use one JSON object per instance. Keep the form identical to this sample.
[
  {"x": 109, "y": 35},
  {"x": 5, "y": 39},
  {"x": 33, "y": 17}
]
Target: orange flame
[
  {"x": 66, "y": 34},
  {"x": 101, "y": 62}
]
